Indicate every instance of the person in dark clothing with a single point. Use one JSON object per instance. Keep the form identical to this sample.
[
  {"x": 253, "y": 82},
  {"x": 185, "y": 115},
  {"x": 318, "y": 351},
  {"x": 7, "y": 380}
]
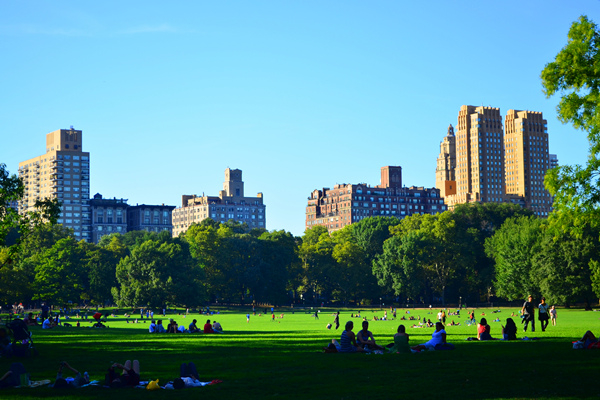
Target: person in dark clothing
[
  {"x": 509, "y": 332},
  {"x": 528, "y": 314},
  {"x": 336, "y": 321}
]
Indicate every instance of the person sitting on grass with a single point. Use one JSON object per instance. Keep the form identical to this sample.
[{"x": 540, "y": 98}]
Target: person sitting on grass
[
  {"x": 483, "y": 330},
  {"x": 509, "y": 332},
  {"x": 172, "y": 327},
  {"x": 75, "y": 382},
  {"x": 365, "y": 338},
  {"x": 588, "y": 339},
  {"x": 193, "y": 328},
  {"x": 152, "y": 327},
  {"x": 217, "y": 328},
  {"x": 437, "y": 337},
  {"x": 48, "y": 323},
  {"x": 129, "y": 377},
  {"x": 348, "y": 340},
  {"x": 160, "y": 327},
  {"x": 400, "y": 344},
  {"x": 208, "y": 327},
  {"x": 30, "y": 320}
]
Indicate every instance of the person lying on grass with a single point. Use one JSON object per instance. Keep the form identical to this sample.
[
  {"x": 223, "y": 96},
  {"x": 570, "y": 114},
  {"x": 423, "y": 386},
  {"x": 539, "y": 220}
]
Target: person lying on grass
[
  {"x": 129, "y": 377},
  {"x": 365, "y": 338},
  {"x": 188, "y": 377},
  {"x": 348, "y": 340},
  {"x": 75, "y": 382},
  {"x": 400, "y": 344},
  {"x": 437, "y": 337}
]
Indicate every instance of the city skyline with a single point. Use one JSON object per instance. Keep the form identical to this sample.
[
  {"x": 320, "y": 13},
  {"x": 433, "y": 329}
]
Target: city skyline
[{"x": 298, "y": 96}]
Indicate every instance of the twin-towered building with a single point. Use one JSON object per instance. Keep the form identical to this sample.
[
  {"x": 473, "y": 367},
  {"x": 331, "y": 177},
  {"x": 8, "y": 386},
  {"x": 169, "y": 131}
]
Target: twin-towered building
[
  {"x": 483, "y": 162},
  {"x": 348, "y": 203}
]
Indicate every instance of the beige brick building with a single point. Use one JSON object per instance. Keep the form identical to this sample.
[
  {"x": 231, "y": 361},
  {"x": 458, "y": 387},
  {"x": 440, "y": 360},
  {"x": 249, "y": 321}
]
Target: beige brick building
[
  {"x": 492, "y": 166},
  {"x": 62, "y": 172},
  {"x": 230, "y": 204},
  {"x": 527, "y": 160}
]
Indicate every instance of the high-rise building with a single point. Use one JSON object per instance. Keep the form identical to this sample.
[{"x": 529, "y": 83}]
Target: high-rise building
[
  {"x": 527, "y": 160},
  {"x": 230, "y": 204},
  {"x": 63, "y": 172},
  {"x": 446, "y": 165},
  {"x": 348, "y": 203},
  {"x": 492, "y": 166},
  {"x": 553, "y": 160}
]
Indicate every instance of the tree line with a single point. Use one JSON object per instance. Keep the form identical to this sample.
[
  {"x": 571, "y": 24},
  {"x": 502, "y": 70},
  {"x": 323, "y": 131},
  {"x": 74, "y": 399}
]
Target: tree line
[{"x": 473, "y": 252}]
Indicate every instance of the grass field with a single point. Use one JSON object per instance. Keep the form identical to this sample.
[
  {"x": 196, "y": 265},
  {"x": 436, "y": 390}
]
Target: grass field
[{"x": 284, "y": 359}]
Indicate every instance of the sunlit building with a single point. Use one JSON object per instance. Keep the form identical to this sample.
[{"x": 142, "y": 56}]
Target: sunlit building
[
  {"x": 348, "y": 203},
  {"x": 62, "y": 172},
  {"x": 230, "y": 204}
]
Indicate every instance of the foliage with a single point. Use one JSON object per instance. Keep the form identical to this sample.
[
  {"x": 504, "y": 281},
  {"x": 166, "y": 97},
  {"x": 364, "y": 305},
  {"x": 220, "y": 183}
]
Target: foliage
[
  {"x": 513, "y": 247},
  {"x": 45, "y": 210},
  {"x": 575, "y": 75}
]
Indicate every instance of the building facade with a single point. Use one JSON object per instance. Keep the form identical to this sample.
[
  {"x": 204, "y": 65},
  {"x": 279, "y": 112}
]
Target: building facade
[
  {"x": 150, "y": 218},
  {"x": 527, "y": 159},
  {"x": 108, "y": 216},
  {"x": 348, "y": 203},
  {"x": 492, "y": 166},
  {"x": 230, "y": 204},
  {"x": 62, "y": 172}
]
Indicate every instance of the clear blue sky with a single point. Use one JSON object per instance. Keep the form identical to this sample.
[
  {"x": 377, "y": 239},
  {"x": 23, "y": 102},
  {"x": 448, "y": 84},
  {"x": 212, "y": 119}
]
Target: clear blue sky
[{"x": 300, "y": 95}]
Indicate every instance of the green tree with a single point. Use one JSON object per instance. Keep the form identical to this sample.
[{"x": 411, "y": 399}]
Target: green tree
[
  {"x": 59, "y": 276},
  {"x": 45, "y": 210},
  {"x": 575, "y": 75},
  {"x": 513, "y": 247},
  {"x": 158, "y": 273}
]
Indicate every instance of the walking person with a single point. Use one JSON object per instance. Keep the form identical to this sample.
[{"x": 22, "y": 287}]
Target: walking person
[
  {"x": 336, "y": 321},
  {"x": 528, "y": 314},
  {"x": 553, "y": 315},
  {"x": 543, "y": 314}
]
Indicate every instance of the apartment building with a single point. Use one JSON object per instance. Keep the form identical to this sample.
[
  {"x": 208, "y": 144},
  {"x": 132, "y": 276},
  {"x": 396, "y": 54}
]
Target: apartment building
[
  {"x": 494, "y": 166},
  {"x": 348, "y": 203},
  {"x": 527, "y": 159},
  {"x": 150, "y": 218},
  {"x": 62, "y": 172},
  {"x": 108, "y": 216},
  {"x": 230, "y": 204}
]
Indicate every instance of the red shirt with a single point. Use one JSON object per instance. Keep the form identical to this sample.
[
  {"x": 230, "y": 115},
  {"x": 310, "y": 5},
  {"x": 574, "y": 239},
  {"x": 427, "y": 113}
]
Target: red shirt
[{"x": 208, "y": 328}]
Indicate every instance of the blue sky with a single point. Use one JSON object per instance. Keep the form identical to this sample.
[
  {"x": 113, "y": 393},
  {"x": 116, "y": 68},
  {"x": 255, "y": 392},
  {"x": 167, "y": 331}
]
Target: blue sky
[{"x": 299, "y": 95}]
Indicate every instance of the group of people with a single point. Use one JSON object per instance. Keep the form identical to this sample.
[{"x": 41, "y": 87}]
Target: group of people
[
  {"x": 117, "y": 376},
  {"x": 173, "y": 327},
  {"x": 364, "y": 341}
]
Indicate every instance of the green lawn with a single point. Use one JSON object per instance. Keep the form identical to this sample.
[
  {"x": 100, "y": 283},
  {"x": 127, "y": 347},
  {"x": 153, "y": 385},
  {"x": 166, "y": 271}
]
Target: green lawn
[{"x": 284, "y": 359}]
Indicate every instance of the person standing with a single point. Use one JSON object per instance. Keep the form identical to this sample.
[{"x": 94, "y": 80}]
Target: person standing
[
  {"x": 543, "y": 314},
  {"x": 336, "y": 321},
  {"x": 553, "y": 315},
  {"x": 528, "y": 314}
]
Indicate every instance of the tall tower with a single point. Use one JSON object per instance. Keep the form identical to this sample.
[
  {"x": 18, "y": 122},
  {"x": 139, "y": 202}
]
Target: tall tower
[
  {"x": 63, "y": 172},
  {"x": 445, "y": 179},
  {"x": 233, "y": 185},
  {"x": 527, "y": 159},
  {"x": 479, "y": 170}
]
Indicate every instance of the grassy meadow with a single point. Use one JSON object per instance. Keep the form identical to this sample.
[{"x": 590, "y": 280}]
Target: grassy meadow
[{"x": 284, "y": 359}]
